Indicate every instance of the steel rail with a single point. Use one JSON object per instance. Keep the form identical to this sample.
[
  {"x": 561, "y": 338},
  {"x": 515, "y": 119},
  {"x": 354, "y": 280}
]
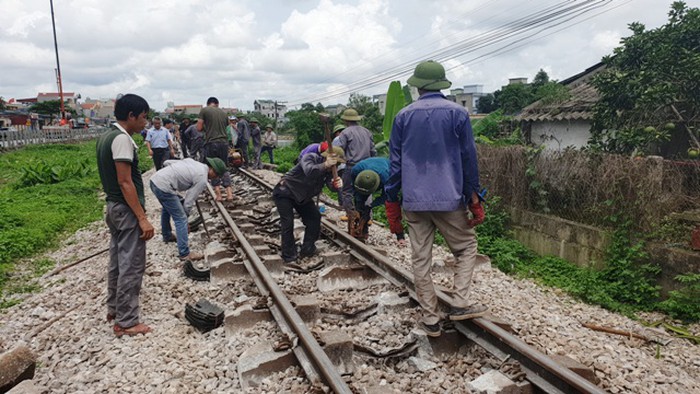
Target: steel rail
[
  {"x": 540, "y": 369},
  {"x": 318, "y": 356}
]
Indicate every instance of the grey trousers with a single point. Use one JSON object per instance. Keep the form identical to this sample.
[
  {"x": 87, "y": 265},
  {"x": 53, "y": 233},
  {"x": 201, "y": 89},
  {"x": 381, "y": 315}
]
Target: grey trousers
[
  {"x": 462, "y": 243},
  {"x": 346, "y": 195},
  {"x": 127, "y": 263}
]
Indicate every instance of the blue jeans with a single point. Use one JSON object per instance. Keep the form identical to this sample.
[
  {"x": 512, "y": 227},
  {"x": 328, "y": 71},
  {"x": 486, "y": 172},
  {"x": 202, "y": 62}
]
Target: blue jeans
[{"x": 172, "y": 207}]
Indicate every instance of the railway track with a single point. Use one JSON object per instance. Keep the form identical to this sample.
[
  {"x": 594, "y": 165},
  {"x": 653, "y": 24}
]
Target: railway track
[{"x": 347, "y": 316}]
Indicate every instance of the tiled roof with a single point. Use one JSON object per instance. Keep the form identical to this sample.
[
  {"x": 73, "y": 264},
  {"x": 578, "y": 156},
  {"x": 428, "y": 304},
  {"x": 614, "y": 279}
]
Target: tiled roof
[{"x": 579, "y": 106}]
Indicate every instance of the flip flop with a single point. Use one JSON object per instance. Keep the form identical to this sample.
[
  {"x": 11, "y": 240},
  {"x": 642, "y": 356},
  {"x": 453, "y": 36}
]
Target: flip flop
[{"x": 131, "y": 331}]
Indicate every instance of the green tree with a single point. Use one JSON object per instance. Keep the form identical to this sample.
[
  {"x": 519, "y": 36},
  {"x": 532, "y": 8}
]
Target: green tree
[
  {"x": 372, "y": 119},
  {"x": 306, "y": 125},
  {"x": 651, "y": 87},
  {"x": 3, "y": 106},
  {"x": 51, "y": 107},
  {"x": 486, "y": 104},
  {"x": 514, "y": 97},
  {"x": 541, "y": 78}
]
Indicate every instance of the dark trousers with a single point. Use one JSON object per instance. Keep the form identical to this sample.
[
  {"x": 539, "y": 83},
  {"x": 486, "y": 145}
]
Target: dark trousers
[
  {"x": 286, "y": 205},
  {"x": 243, "y": 146},
  {"x": 220, "y": 150},
  {"x": 269, "y": 151},
  {"x": 159, "y": 156}
]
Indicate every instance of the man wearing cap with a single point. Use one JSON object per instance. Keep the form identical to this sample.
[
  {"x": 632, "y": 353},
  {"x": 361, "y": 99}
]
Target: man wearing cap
[
  {"x": 434, "y": 166},
  {"x": 295, "y": 192},
  {"x": 243, "y": 137},
  {"x": 187, "y": 176},
  {"x": 212, "y": 122},
  {"x": 269, "y": 142},
  {"x": 256, "y": 136},
  {"x": 369, "y": 177},
  {"x": 358, "y": 145}
]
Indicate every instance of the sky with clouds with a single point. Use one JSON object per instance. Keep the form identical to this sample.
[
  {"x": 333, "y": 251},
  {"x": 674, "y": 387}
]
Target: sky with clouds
[{"x": 298, "y": 51}]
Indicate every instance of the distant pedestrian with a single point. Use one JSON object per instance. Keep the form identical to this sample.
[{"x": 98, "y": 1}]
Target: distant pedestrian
[
  {"x": 183, "y": 139},
  {"x": 195, "y": 140},
  {"x": 358, "y": 145},
  {"x": 269, "y": 142},
  {"x": 256, "y": 136},
  {"x": 178, "y": 176},
  {"x": 129, "y": 228},
  {"x": 434, "y": 166},
  {"x": 295, "y": 192},
  {"x": 232, "y": 131},
  {"x": 160, "y": 143},
  {"x": 213, "y": 121},
  {"x": 243, "y": 138}
]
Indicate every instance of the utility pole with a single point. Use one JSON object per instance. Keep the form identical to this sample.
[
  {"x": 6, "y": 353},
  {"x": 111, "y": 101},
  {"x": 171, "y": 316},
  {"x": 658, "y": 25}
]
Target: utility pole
[
  {"x": 58, "y": 64},
  {"x": 276, "y": 114}
]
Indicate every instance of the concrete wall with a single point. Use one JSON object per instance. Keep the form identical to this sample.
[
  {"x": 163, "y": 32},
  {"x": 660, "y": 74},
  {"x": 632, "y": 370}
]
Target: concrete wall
[
  {"x": 548, "y": 235},
  {"x": 585, "y": 246},
  {"x": 561, "y": 134}
]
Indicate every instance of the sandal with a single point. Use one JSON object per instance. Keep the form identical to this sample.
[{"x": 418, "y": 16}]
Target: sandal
[{"x": 131, "y": 331}]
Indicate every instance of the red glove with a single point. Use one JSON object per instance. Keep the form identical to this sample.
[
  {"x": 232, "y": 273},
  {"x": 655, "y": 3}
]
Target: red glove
[
  {"x": 393, "y": 214},
  {"x": 477, "y": 211},
  {"x": 338, "y": 183}
]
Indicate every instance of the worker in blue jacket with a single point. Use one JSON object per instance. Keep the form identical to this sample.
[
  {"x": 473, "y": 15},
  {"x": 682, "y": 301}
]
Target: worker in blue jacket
[
  {"x": 369, "y": 177},
  {"x": 434, "y": 166}
]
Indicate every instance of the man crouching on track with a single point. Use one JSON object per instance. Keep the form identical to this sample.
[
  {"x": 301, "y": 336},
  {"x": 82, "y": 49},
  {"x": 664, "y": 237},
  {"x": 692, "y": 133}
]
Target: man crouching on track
[
  {"x": 187, "y": 176},
  {"x": 129, "y": 228},
  {"x": 296, "y": 191},
  {"x": 434, "y": 165}
]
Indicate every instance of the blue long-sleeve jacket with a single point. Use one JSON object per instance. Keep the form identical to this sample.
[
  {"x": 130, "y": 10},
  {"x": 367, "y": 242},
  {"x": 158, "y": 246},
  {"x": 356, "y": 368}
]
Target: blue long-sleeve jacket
[
  {"x": 380, "y": 165},
  {"x": 433, "y": 156}
]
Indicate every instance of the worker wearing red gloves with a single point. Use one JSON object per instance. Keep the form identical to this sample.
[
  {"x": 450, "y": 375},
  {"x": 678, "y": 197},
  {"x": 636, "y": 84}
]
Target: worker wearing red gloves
[{"x": 434, "y": 166}]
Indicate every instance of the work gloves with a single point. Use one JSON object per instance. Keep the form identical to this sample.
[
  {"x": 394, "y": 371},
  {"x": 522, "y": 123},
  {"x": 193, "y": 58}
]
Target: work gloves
[
  {"x": 337, "y": 183},
  {"x": 478, "y": 214},
  {"x": 393, "y": 215}
]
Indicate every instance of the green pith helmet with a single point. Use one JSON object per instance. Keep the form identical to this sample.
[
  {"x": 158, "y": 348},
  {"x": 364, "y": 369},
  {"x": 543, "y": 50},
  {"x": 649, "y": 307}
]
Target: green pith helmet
[
  {"x": 338, "y": 152},
  {"x": 367, "y": 182},
  {"x": 351, "y": 115},
  {"x": 429, "y": 75},
  {"x": 268, "y": 126},
  {"x": 240, "y": 115},
  {"x": 338, "y": 127},
  {"x": 252, "y": 120},
  {"x": 218, "y": 165}
]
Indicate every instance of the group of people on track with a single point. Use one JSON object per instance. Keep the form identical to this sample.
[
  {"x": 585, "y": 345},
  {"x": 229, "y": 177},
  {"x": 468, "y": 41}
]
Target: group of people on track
[{"x": 431, "y": 179}]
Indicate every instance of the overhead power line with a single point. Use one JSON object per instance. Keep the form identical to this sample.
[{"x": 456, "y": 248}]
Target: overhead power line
[{"x": 513, "y": 34}]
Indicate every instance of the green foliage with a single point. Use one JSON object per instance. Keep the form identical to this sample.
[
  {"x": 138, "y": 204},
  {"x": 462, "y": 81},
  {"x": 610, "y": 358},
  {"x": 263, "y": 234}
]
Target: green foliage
[
  {"x": 684, "y": 303},
  {"x": 514, "y": 97},
  {"x": 650, "y": 81},
  {"x": 40, "y": 172},
  {"x": 395, "y": 100},
  {"x": 51, "y": 107},
  {"x": 33, "y": 216},
  {"x": 538, "y": 193},
  {"x": 552, "y": 93},
  {"x": 306, "y": 126},
  {"x": 486, "y": 104}
]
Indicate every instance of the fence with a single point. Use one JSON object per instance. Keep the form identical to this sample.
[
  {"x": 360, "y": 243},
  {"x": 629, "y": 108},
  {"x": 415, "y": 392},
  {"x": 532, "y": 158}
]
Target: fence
[
  {"x": 588, "y": 188},
  {"x": 23, "y": 135}
]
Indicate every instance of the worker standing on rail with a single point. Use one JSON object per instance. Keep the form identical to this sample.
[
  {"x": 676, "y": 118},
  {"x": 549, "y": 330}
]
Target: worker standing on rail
[
  {"x": 357, "y": 144},
  {"x": 187, "y": 176},
  {"x": 369, "y": 177},
  {"x": 295, "y": 192},
  {"x": 129, "y": 228},
  {"x": 212, "y": 122},
  {"x": 434, "y": 165}
]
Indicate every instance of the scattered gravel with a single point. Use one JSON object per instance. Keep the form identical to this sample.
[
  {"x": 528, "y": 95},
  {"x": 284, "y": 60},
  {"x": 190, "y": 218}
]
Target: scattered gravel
[{"x": 79, "y": 354}]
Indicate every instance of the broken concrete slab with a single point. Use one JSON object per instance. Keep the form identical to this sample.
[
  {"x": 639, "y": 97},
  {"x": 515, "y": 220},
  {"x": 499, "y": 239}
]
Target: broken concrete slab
[
  {"x": 493, "y": 382},
  {"x": 356, "y": 277},
  {"x": 391, "y": 301},
  {"x": 243, "y": 318},
  {"x": 307, "y": 307},
  {"x": 260, "y": 361},
  {"x": 27, "y": 387},
  {"x": 421, "y": 364},
  {"x": 223, "y": 271},
  {"x": 336, "y": 258},
  {"x": 575, "y": 366},
  {"x": 16, "y": 365},
  {"x": 274, "y": 264},
  {"x": 339, "y": 348}
]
